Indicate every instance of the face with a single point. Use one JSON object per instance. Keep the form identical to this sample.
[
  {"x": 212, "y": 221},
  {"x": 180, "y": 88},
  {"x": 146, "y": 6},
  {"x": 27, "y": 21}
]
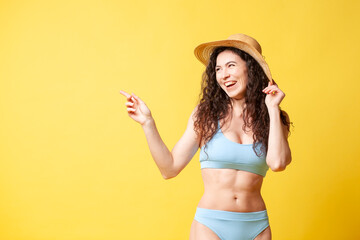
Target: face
[{"x": 231, "y": 74}]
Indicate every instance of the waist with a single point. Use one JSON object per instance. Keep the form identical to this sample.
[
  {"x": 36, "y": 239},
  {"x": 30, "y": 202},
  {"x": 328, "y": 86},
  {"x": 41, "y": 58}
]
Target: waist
[
  {"x": 234, "y": 203},
  {"x": 231, "y": 190}
]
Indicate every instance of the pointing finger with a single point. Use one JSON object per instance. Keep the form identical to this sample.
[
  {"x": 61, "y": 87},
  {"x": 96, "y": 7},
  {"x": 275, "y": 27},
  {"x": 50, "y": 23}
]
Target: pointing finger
[{"x": 125, "y": 94}]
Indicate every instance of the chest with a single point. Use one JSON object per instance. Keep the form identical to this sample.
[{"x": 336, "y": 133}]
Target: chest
[{"x": 233, "y": 130}]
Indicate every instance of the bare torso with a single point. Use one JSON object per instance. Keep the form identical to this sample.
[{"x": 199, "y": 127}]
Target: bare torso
[{"x": 230, "y": 189}]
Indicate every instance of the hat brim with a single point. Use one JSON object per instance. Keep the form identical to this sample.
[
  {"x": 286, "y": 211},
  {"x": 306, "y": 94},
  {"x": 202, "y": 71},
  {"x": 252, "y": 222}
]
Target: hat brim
[{"x": 203, "y": 53}]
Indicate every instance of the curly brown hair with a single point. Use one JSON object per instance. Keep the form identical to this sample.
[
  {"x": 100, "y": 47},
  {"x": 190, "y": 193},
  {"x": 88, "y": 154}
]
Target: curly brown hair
[{"x": 215, "y": 104}]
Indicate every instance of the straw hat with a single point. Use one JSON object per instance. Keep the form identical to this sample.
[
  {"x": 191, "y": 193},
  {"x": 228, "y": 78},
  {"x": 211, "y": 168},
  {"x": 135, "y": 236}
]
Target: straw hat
[{"x": 240, "y": 41}]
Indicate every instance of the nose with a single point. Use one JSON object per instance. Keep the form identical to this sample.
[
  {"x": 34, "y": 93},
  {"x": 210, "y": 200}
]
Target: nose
[{"x": 225, "y": 74}]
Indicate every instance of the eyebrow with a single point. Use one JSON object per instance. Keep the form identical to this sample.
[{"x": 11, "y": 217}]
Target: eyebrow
[{"x": 226, "y": 63}]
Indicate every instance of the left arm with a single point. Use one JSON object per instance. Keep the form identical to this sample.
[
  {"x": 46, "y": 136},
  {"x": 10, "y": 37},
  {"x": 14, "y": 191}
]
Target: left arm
[{"x": 278, "y": 154}]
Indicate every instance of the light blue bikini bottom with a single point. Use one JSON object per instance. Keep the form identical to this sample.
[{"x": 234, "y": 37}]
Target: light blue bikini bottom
[{"x": 233, "y": 225}]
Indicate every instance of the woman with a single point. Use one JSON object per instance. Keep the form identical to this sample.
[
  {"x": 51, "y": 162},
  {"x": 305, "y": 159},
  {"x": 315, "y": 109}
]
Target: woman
[{"x": 241, "y": 131}]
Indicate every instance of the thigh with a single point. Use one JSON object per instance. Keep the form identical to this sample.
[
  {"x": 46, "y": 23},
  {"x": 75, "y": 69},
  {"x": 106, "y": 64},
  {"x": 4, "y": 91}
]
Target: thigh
[
  {"x": 264, "y": 235},
  {"x": 199, "y": 231}
]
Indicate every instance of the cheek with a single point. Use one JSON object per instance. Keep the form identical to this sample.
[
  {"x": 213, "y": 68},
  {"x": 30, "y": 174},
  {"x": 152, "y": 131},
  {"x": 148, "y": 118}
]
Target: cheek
[
  {"x": 243, "y": 75},
  {"x": 221, "y": 86},
  {"x": 217, "y": 77}
]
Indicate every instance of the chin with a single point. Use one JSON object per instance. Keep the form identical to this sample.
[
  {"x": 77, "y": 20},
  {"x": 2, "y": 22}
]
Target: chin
[{"x": 236, "y": 96}]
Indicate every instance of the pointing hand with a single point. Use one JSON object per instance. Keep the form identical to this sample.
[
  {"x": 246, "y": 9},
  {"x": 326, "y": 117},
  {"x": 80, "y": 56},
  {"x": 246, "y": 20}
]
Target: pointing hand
[{"x": 136, "y": 108}]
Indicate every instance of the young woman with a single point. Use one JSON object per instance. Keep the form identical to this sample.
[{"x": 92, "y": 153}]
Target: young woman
[{"x": 241, "y": 131}]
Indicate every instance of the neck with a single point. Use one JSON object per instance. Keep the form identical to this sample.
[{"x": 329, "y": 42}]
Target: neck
[{"x": 238, "y": 106}]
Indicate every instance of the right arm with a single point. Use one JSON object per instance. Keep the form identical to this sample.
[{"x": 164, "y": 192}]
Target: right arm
[{"x": 169, "y": 163}]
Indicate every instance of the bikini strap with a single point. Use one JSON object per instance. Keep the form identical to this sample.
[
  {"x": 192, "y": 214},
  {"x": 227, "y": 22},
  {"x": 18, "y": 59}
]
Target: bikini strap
[{"x": 218, "y": 126}]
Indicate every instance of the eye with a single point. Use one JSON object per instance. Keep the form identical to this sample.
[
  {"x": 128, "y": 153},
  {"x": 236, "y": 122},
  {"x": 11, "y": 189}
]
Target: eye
[
  {"x": 231, "y": 65},
  {"x": 217, "y": 69}
]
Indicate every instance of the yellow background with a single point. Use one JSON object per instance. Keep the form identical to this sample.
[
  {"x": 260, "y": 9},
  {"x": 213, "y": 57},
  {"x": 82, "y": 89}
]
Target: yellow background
[{"x": 74, "y": 166}]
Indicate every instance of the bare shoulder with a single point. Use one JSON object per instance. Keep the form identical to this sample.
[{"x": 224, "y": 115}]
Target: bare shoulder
[
  {"x": 193, "y": 118},
  {"x": 194, "y": 113},
  {"x": 191, "y": 122}
]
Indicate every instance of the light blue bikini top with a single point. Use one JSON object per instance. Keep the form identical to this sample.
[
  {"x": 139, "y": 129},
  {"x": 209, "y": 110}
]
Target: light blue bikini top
[{"x": 224, "y": 153}]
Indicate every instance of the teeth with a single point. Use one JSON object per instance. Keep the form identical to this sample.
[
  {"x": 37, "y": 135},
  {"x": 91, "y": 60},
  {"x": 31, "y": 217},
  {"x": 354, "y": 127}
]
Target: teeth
[{"x": 229, "y": 83}]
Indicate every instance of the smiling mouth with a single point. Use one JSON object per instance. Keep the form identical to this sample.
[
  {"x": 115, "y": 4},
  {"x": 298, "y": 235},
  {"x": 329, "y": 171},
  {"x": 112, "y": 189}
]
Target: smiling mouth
[{"x": 230, "y": 83}]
